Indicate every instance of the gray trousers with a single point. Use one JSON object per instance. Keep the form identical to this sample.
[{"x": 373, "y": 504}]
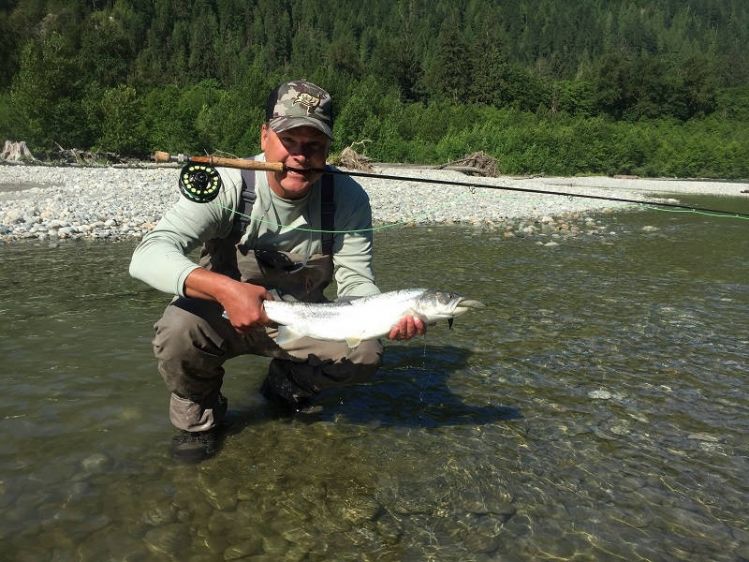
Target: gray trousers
[{"x": 192, "y": 340}]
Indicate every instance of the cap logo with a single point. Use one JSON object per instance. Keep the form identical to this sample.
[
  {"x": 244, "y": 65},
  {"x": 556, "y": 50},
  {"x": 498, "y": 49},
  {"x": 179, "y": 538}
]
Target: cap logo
[{"x": 309, "y": 102}]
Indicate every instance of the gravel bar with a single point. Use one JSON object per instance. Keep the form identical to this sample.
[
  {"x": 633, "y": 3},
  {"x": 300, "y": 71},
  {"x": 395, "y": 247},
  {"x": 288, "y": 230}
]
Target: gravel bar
[{"x": 45, "y": 202}]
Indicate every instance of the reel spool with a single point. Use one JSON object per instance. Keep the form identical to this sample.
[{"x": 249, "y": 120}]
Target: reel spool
[{"x": 199, "y": 183}]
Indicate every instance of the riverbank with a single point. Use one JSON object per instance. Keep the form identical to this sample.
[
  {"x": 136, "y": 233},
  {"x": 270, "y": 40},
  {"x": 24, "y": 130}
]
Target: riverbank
[{"x": 40, "y": 202}]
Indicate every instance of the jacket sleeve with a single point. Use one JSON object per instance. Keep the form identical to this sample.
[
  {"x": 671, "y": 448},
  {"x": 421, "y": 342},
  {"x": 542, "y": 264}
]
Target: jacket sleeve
[
  {"x": 161, "y": 259},
  {"x": 352, "y": 248}
]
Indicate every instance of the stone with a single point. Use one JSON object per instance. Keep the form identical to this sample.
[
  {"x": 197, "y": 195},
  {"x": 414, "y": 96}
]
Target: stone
[
  {"x": 480, "y": 542},
  {"x": 170, "y": 540},
  {"x": 244, "y": 549},
  {"x": 360, "y": 510},
  {"x": 96, "y": 463},
  {"x": 222, "y": 494}
]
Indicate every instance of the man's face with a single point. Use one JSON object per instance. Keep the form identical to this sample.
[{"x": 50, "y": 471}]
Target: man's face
[{"x": 302, "y": 148}]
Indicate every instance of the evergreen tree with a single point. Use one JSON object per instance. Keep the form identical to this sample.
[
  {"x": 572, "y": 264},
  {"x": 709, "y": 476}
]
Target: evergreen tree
[
  {"x": 121, "y": 117},
  {"x": 448, "y": 71},
  {"x": 45, "y": 94},
  {"x": 491, "y": 74}
]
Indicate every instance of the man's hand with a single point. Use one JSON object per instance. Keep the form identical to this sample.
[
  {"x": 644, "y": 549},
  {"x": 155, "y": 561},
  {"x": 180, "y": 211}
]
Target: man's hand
[
  {"x": 244, "y": 306},
  {"x": 407, "y": 327},
  {"x": 243, "y": 302}
]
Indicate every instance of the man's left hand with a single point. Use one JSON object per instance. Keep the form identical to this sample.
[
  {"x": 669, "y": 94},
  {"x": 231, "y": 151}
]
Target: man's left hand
[{"x": 406, "y": 328}]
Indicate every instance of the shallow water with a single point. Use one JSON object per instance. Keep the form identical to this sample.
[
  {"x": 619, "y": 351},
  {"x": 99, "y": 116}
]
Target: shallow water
[{"x": 597, "y": 409}]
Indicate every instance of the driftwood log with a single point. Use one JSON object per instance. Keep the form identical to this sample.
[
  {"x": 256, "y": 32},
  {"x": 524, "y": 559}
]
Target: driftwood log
[
  {"x": 16, "y": 152},
  {"x": 80, "y": 157},
  {"x": 349, "y": 158},
  {"x": 476, "y": 164}
]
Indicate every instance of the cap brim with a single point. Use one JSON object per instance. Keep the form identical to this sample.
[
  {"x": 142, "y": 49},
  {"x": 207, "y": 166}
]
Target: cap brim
[{"x": 281, "y": 124}]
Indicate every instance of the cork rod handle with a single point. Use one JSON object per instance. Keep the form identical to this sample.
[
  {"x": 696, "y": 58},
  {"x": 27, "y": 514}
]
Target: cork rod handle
[{"x": 241, "y": 163}]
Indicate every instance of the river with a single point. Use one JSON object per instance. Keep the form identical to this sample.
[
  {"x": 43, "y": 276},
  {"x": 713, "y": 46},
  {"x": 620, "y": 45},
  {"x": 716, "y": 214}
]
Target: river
[{"x": 596, "y": 409}]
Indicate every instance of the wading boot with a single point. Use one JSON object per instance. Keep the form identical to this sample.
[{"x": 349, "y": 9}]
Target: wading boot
[
  {"x": 278, "y": 389},
  {"x": 192, "y": 447}
]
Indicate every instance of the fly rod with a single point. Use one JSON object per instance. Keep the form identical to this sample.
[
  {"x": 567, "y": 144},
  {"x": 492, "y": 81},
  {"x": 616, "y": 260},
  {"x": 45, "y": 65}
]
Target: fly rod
[{"x": 200, "y": 182}]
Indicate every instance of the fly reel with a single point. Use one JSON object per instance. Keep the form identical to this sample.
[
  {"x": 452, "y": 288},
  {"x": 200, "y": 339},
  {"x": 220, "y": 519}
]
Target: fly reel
[{"x": 199, "y": 183}]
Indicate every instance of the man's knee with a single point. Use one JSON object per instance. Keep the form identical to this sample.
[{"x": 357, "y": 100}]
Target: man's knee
[
  {"x": 190, "y": 353},
  {"x": 182, "y": 334},
  {"x": 357, "y": 365},
  {"x": 367, "y": 355}
]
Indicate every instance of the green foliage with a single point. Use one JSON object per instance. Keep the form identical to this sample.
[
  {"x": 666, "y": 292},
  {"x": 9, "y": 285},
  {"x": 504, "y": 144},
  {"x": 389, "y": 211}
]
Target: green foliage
[
  {"x": 606, "y": 86},
  {"x": 122, "y": 130},
  {"x": 46, "y": 95},
  {"x": 109, "y": 42},
  {"x": 448, "y": 74},
  {"x": 171, "y": 117},
  {"x": 11, "y": 122}
]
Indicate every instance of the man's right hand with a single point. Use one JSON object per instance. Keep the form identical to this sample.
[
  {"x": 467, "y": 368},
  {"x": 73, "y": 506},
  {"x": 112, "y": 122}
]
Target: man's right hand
[
  {"x": 244, "y": 306},
  {"x": 243, "y": 302}
]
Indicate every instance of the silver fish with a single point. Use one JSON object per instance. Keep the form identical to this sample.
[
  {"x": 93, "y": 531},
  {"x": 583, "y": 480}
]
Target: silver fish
[{"x": 364, "y": 318}]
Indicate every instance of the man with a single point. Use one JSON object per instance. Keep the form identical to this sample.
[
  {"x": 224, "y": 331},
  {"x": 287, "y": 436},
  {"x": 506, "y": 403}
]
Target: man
[{"x": 279, "y": 253}]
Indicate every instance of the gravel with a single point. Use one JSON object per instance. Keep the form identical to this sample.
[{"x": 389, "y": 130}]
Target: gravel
[{"x": 42, "y": 202}]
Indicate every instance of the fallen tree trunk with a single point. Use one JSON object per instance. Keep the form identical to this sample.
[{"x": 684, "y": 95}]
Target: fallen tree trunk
[
  {"x": 352, "y": 160},
  {"x": 78, "y": 157},
  {"x": 478, "y": 163}
]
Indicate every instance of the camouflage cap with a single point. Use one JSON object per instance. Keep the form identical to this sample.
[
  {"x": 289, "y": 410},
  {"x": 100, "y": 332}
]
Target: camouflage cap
[{"x": 297, "y": 104}]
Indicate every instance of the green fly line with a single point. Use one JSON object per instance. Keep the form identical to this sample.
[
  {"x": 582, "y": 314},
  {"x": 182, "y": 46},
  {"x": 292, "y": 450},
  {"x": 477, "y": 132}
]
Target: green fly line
[
  {"x": 318, "y": 230},
  {"x": 649, "y": 206},
  {"x": 714, "y": 214}
]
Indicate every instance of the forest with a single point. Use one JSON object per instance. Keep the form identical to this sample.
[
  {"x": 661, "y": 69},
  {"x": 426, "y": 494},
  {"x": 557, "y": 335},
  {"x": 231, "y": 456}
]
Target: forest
[{"x": 644, "y": 87}]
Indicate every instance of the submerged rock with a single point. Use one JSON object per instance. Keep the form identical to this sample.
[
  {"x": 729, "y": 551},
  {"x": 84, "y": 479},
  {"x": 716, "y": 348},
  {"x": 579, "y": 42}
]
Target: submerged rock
[
  {"x": 171, "y": 540},
  {"x": 247, "y": 547},
  {"x": 221, "y": 494},
  {"x": 96, "y": 463}
]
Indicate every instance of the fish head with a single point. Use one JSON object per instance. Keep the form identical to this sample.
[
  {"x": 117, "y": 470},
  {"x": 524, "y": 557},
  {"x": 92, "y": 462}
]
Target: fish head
[{"x": 443, "y": 305}]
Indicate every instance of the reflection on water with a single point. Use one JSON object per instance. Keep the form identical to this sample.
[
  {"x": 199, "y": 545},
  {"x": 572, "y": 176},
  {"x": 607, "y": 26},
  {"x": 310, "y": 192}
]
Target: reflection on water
[{"x": 596, "y": 409}]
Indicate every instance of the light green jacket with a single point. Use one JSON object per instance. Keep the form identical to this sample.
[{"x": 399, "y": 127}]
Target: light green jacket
[{"x": 161, "y": 261}]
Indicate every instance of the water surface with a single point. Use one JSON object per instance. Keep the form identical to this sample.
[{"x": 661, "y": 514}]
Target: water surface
[{"x": 596, "y": 410}]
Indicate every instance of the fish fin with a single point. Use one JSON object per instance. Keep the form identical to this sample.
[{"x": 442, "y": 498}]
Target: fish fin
[
  {"x": 286, "y": 335},
  {"x": 352, "y": 342},
  {"x": 449, "y": 323}
]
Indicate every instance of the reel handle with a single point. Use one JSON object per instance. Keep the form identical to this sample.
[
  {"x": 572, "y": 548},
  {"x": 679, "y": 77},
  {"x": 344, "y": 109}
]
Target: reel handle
[{"x": 241, "y": 163}]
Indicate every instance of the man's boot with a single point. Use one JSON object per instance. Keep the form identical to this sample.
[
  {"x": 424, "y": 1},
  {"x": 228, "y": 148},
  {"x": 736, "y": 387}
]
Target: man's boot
[
  {"x": 280, "y": 389},
  {"x": 192, "y": 447}
]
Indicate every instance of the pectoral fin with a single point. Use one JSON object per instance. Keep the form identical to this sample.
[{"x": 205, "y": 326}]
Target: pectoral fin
[
  {"x": 286, "y": 335},
  {"x": 352, "y": 342}
]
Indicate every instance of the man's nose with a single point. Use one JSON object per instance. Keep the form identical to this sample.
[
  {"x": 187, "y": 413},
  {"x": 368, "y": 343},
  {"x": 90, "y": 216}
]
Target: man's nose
[{"x": 303, "y": 150}]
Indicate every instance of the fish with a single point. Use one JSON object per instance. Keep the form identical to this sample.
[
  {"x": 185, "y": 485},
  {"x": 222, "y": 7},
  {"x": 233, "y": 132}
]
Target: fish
[{"x": 354, "y": 321}]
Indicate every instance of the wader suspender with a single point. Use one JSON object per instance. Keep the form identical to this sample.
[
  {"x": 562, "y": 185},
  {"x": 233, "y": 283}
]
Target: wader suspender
[
  {"x": 327, "y": 214},
  {"x": 248, "y": 196}
]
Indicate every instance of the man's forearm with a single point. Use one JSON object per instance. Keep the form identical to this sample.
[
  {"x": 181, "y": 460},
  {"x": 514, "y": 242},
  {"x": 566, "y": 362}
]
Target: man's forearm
[
  {"x": 204, "y": 284},
  {"x": 242, "y": 302}
]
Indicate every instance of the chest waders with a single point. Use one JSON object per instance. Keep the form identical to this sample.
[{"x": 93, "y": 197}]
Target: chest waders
[
  {"x": 192, "y": 340},
  {"x": 302, "y": 277}
]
